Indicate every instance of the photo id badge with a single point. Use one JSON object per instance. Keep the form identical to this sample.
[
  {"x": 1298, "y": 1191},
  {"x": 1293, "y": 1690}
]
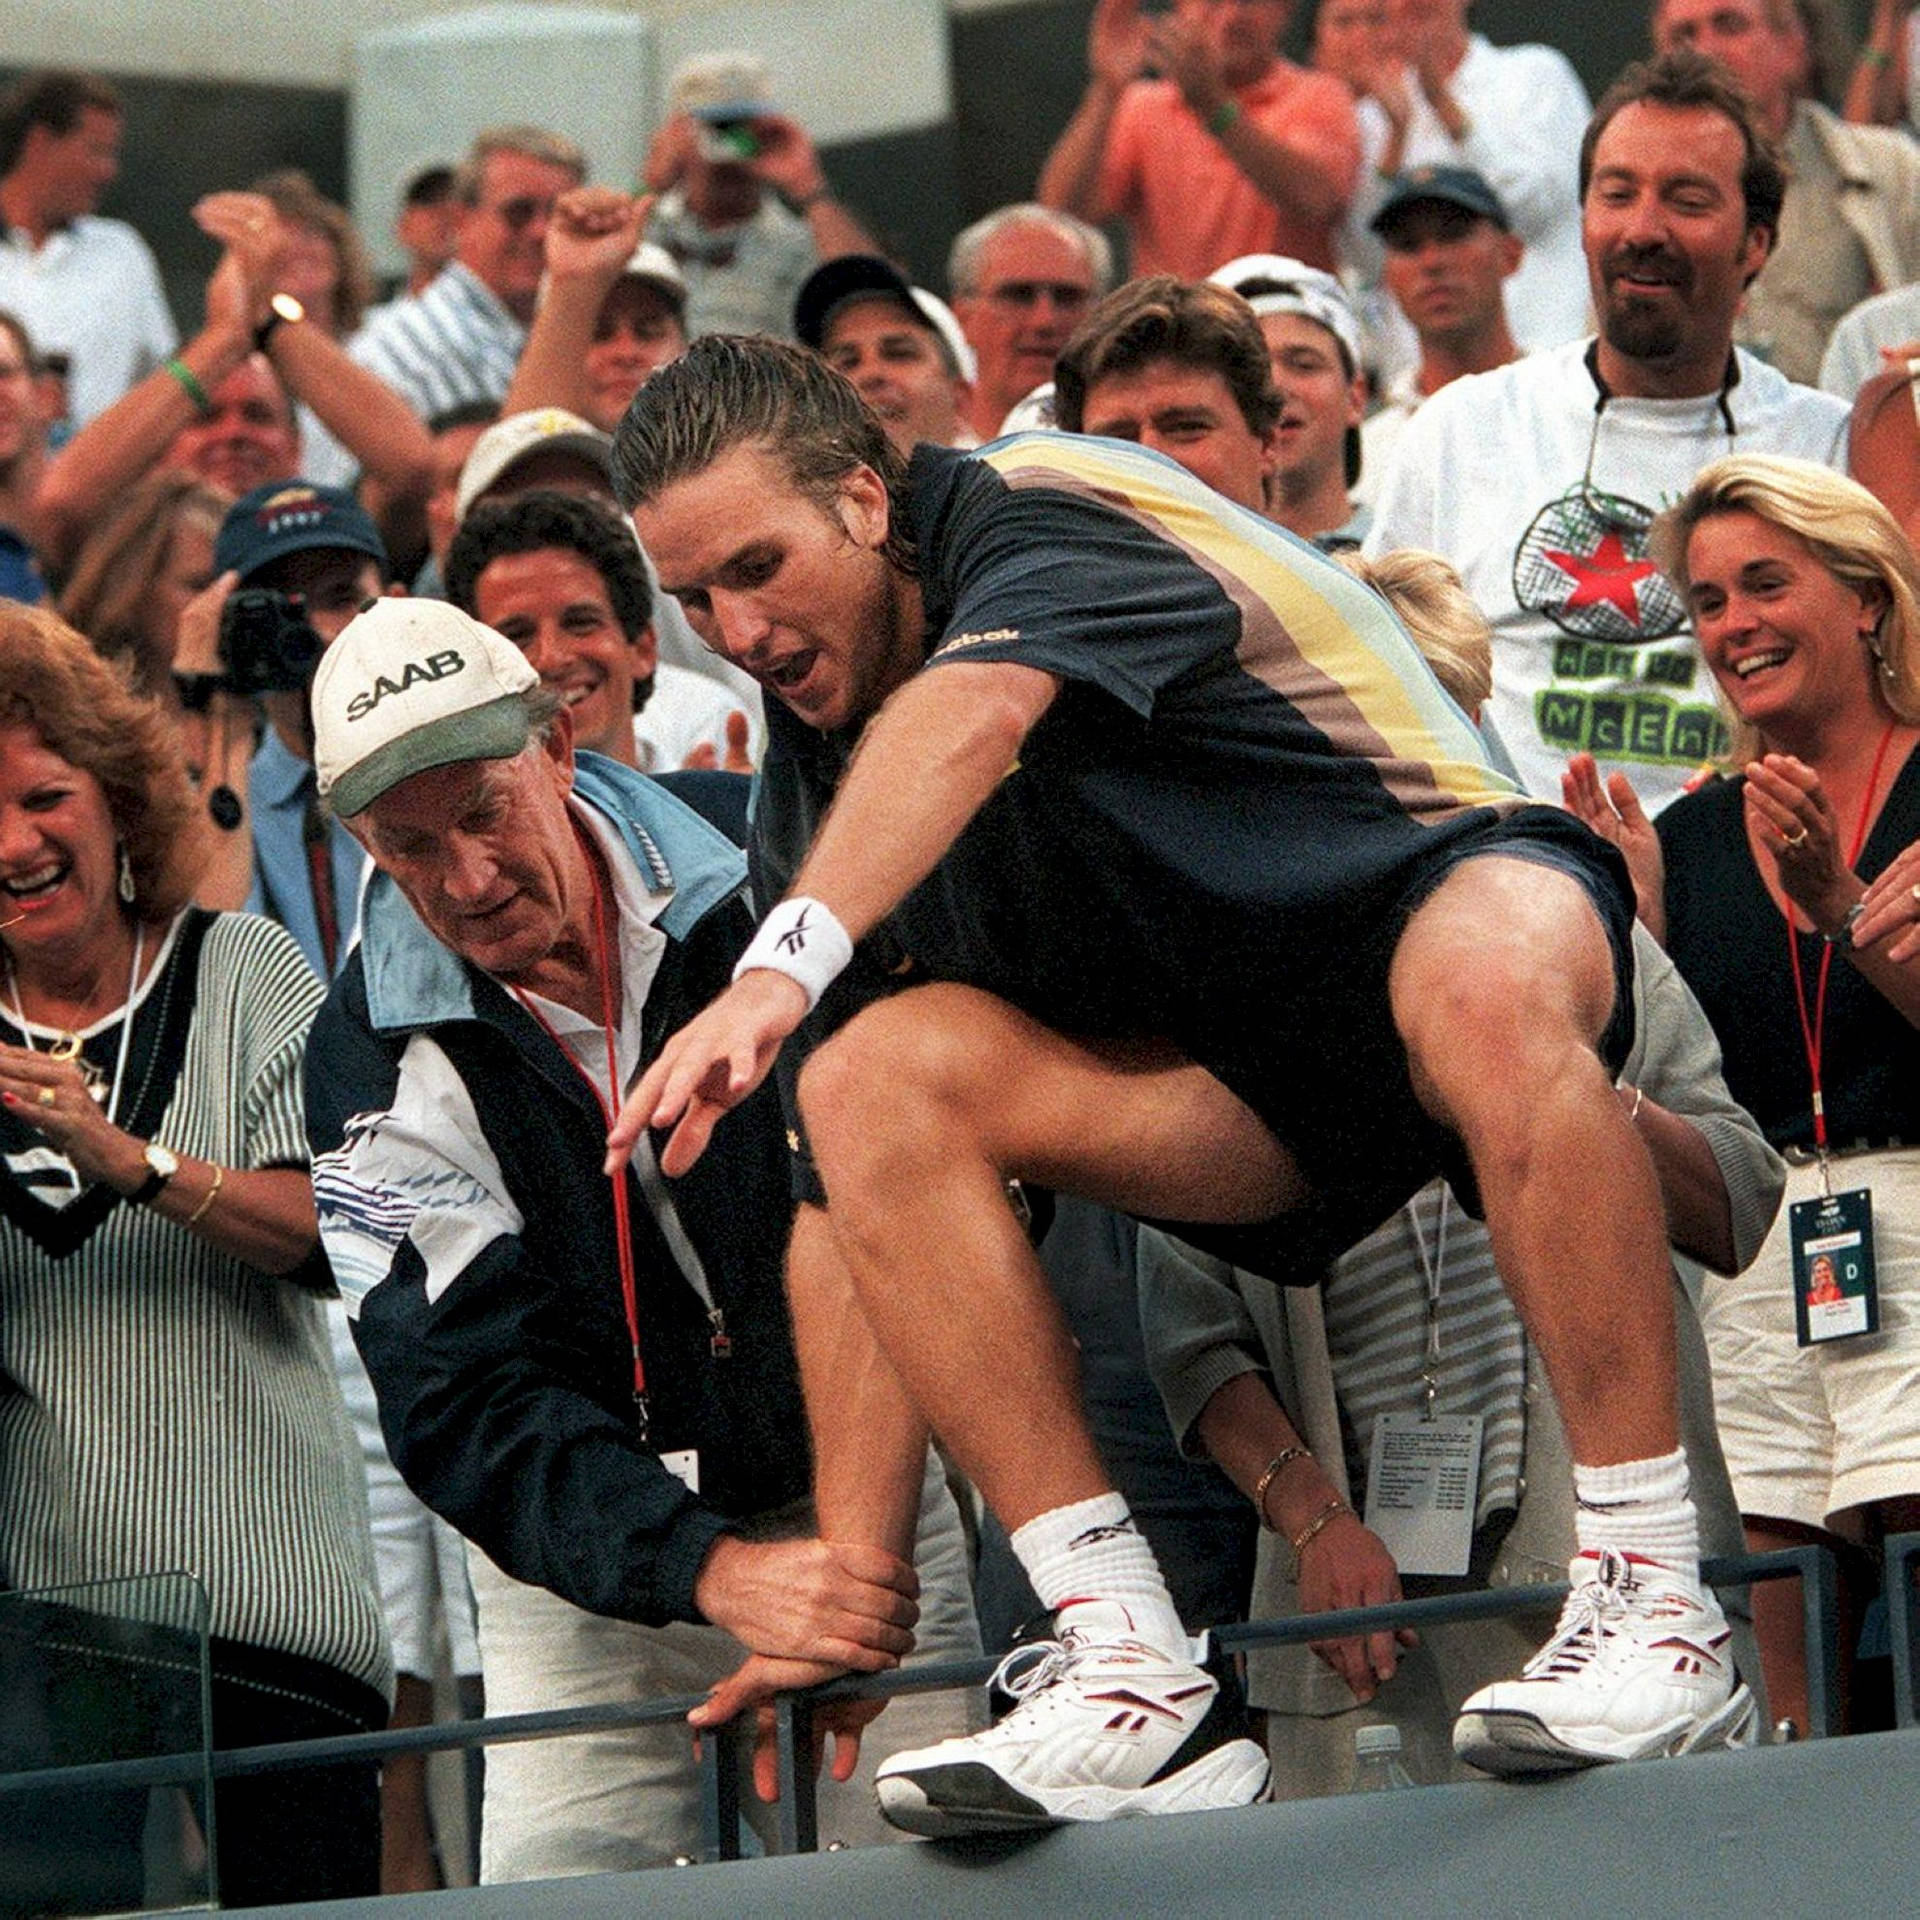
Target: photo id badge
[
  {"x": 1422, "y": 1480},
  {"x": 1834, "y": 1296},
  {"x": 684, "y": 1465}
]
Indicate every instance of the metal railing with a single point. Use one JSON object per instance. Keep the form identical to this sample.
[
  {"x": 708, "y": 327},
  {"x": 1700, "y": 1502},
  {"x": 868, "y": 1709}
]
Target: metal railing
[
  {"x": 1901, "y": 1552},
  {"x": 797, "y": 1822}
]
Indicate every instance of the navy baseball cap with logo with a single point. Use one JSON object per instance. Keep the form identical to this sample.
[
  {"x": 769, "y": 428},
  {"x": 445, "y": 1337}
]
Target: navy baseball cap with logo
[
  {"x": 855, "y": 276},
  {"x": 292, "y": 516},
  {"x": 1450, "y": 186}
]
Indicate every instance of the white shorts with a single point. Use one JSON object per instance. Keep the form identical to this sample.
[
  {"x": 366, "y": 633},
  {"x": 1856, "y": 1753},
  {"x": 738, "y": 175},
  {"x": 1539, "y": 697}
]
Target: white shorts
[
  {"x": 618, "y": 1802},
  {"x": 1810, "y": 1432},
  {"x": 419, "y": 1562}
]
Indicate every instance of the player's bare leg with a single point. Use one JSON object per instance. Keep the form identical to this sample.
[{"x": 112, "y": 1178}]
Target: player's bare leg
[
  {"x": 1502, "y": 987},
  {"x": 918, "y": 1112}
]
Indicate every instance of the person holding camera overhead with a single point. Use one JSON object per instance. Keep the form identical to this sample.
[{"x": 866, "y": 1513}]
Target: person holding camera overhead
[{"x": 745, "y": 208}]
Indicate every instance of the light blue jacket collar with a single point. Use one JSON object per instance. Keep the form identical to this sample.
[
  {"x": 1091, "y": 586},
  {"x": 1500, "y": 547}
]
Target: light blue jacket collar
[{"x": 414, "y": 981}]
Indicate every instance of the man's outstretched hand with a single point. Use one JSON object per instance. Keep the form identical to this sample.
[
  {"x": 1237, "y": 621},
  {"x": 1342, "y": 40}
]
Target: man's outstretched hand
[
  {"x": 750, "y": 1689},
  {"x": 709, "y": 1067}
]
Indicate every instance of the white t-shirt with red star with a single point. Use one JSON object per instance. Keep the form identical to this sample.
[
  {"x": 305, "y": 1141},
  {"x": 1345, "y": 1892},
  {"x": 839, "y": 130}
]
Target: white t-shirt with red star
[{"x": 1542, "y": 498}]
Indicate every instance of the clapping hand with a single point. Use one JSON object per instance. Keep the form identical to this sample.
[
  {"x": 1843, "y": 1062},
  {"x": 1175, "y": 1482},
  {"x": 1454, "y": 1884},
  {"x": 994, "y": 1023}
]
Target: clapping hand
[
  {"x": 1788, "y": 814},
  {"x": 1118, "y": 43},
  {"x": 1890, "y": 908},
  {"x": 1613, "y": 810}
]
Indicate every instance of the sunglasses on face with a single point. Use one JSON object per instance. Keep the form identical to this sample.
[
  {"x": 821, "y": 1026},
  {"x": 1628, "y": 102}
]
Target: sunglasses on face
[
  {"x": 519, "y": 214},
  {"x": 1023, "y": 295}
]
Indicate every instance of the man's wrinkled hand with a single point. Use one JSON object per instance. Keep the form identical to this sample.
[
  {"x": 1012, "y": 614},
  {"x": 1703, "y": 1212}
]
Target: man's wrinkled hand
[{"x": 849, "y": 1606}]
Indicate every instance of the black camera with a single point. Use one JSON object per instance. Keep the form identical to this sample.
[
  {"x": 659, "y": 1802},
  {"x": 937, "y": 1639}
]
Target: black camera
[{"x": 267, "y": 644}]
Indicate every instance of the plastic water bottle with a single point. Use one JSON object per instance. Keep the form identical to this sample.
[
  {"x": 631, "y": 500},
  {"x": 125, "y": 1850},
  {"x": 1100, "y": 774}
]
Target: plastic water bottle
[{"x": 1377, "y": 1766}]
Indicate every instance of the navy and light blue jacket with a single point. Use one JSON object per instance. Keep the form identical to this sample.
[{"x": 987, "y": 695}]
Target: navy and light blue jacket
[{"x": 457, "y": 1159}]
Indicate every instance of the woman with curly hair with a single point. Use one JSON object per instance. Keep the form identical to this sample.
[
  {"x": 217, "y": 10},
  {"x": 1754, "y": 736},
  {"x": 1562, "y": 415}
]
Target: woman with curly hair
[
  {"x": 149, "y": 560},
  {"x": 169, "y": 1403}
]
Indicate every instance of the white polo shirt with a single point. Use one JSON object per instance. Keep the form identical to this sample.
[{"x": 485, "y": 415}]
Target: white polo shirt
[{"x": 91, "y": 292}]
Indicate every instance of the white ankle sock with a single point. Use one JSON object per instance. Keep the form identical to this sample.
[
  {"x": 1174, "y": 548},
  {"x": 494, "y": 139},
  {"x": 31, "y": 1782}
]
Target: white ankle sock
[
  {"x": 1091, "y": 1551},
  {"x": 1642, "y": 1507}
]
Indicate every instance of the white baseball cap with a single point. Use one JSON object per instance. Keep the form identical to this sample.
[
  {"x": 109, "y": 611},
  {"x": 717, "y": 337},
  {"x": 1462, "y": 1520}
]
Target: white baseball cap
[
  {"x": 654, "y": 263},
  {"x": 540, "y": 430},
  {"x": 409, "y": 685},
  {"x": 721, "y": 86},
  {"x": 1291, "y": 286}
]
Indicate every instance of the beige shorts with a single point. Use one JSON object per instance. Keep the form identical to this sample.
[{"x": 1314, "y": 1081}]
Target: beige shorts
[
  {"x": 1810, "y": 1432},
  {"x": 615, "y": 1802}
]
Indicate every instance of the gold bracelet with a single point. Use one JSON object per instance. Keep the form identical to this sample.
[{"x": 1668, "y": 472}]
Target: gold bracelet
[
  {"x": 1313, "y": 1529},
  {"x": 1266, "y": 1480},
  {"x": 212, "y": 1194}
]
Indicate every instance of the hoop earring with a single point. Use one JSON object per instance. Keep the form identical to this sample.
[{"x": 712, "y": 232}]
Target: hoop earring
[{"x": 125, "y": 883}]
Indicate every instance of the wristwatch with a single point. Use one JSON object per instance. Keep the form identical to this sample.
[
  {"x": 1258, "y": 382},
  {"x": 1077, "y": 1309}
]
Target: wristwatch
[
  {"x": 283, "y": 307},
  {"x": 162, "y": 1164}
]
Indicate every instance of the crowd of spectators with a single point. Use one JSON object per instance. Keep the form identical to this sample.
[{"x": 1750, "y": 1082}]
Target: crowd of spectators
[{"x": 1413, "y": 341}]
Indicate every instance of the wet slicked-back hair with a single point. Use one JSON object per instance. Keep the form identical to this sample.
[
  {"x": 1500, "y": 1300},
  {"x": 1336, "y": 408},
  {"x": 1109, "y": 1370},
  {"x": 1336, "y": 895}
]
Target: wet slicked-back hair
[{"x": 733, "y": 390}]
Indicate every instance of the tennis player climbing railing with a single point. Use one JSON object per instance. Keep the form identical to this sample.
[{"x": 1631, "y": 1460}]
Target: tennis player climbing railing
[{"x": 793, "y": 1713}]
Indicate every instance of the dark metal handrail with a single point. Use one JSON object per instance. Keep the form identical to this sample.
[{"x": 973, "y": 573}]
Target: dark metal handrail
[{"x": 793, "y": 1713}]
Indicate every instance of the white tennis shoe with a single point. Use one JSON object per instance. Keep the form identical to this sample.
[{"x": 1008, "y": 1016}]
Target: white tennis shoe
[
  {"x": 1107, "y": 1728},
  {"x": 1638, "y": 1669}
]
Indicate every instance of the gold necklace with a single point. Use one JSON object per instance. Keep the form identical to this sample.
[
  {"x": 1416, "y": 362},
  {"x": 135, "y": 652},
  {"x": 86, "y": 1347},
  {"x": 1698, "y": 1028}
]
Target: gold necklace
[{"x": 66, "y": 1045}]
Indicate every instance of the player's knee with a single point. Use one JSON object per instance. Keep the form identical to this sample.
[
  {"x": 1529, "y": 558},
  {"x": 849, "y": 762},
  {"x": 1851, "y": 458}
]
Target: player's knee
[
  {"x": 1494, "y": 1049},
  {"x": 897, "y": 1061}
]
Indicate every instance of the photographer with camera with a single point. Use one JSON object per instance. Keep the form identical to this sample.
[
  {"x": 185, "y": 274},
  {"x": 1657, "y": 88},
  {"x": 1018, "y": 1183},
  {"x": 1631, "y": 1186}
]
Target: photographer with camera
[
  {"x": 745, "y": 208},
  {"x": 295, "y": 563}
]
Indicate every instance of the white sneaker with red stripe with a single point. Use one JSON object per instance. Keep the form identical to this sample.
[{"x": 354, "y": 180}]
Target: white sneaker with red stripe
[
  {"x": 1106, "y": 1728},
  {"x": 1638, "y": 1669}
]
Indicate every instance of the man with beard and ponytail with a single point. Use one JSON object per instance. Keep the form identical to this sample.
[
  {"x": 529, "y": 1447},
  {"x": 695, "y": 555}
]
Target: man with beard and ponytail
[{"x": 1539, "y": 480}]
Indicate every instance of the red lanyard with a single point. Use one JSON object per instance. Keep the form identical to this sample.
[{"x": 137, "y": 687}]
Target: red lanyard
[
  {"x": 609, "y": 1104},
  {"x": 1813, "y": 1029}
]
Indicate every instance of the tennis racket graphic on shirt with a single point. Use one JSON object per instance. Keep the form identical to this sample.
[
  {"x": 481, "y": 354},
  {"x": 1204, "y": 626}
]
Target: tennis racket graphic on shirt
[{"x": 1582, "y": 564}]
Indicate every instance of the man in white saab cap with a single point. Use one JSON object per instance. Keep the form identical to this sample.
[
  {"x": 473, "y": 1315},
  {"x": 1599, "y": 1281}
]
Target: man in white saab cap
[
  {"x": 592, "y": 1379},
  {"x": 1313, "y": 342}
]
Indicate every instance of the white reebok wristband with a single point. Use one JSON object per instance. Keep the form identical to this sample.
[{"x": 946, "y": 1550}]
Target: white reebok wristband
[{"x": 803, "y": 940}]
